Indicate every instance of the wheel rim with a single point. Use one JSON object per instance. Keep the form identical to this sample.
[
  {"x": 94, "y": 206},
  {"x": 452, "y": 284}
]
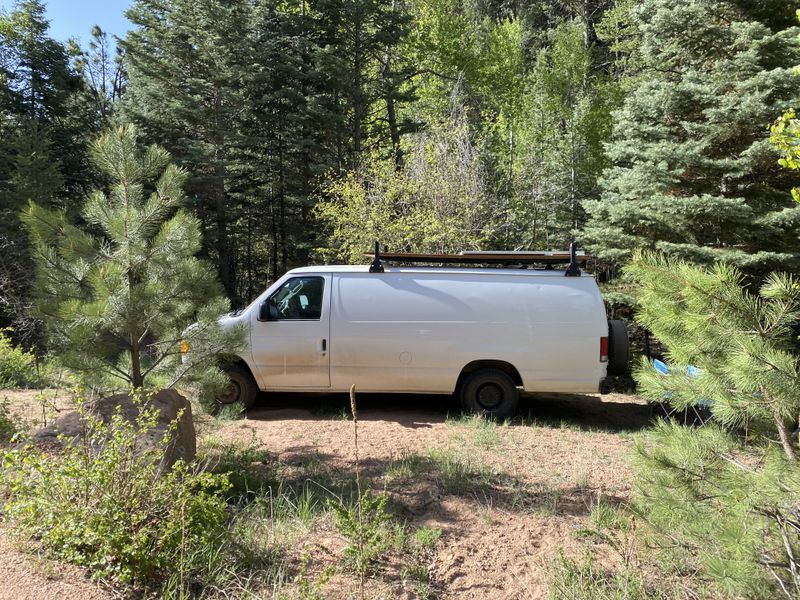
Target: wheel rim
[
  {"x": 489, "y": 396},
  {"x": 231, "y": 394}
]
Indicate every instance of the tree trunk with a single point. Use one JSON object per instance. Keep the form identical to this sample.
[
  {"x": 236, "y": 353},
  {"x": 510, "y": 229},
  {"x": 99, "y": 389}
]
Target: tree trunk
[
  {"x": 786, "y": 437},
  {"x": 274, "y": 253},
  {"x": 391, "y": 111},
  {"x": 137, "y": 379},
  {"x": 282, "y": 205},
  {"x": 222, "y": 208},
  {"x": 394, "y": 132},
  {"x": 358, "y": 94}
]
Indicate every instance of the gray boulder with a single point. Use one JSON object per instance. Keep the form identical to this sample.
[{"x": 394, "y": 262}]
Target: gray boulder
[{"x": 168, "y": 403}]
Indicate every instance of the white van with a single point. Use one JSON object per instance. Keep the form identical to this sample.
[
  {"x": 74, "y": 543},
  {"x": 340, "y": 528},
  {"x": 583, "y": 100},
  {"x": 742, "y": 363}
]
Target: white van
[{"x": 481, "y": 332}]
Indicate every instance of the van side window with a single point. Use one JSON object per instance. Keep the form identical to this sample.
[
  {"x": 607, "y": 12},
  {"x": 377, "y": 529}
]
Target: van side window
[{"x": 300, "y": 298}]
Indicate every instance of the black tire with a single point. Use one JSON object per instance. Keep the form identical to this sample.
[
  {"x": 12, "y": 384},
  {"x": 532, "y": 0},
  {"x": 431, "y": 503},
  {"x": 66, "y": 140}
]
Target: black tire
[
  {"x": 242, "y": 387},
  {"x": 618, "y": 348},
  {"x": 491, "y": 393}
]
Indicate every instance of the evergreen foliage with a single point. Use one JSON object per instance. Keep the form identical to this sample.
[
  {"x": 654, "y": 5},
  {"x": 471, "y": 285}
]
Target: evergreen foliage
[
  {"x": 116, "y": 299},
  {"x": 186, "y": 66},
  {"x": 711, "y": 507},
  {"x": 743, "y": 343},
  {"x": 44, "y": 126},
  {"x": 714, "y": 502},
  {"x": 308, "y": 129},
  {"x": 692, "y": 173},
  {"x": 283, "y": 95},
  {"x": 365, "y": 35},
  {"x": 103, "y": 72}
]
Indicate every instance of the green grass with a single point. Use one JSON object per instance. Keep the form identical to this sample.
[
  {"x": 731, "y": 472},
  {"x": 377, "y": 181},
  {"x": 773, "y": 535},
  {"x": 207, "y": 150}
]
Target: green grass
[
  {"x": 408, "y": 464},
  {"x": 415, "y": 572},
  {"x": 584, "y": 580},
  {"x": 583, "y": 481},
  {"x": 453, "y": 469},
  {"x": 458, "y": 473},
  {"x": 271, "y": 524},
  {"x": 250, "y": 469},
  {"x": 230, "y": 412},
  {"x": 426, "y": 537},
  {"x": 607, "y": 516},
  {"x": 536, "y": 499},
  {"x": 484, "y": 432}
]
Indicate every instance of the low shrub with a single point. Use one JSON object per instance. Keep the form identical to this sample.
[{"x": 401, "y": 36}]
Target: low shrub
[
  {"x": 17, "y": 367},
  {"x": 366, "y": 525},
  {"x": 7, "y": 426},
  {"x": 106, "y": 504}
]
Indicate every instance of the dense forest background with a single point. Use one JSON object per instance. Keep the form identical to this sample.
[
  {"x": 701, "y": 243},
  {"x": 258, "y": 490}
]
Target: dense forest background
[{"x": 310, "y": 128}]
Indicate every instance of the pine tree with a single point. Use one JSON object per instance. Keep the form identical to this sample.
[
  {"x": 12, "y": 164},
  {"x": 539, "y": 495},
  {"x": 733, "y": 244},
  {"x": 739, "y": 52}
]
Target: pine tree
[
  {"x": 39, "y": 77},
  {"x": 186, "y": 75},
  {"x": 742, "y": 343},
  {"x": 290, "y": 125},
  {"x": 44, "y": 131},
  {"x": 725, "y": 511},
  {"x": 116, "y": 303},
  {"x": 284, "y": 94},
  {"x": 364, "y": 37},
  {"x": 103, "y": 72},
  {"x": 724, "y": 498},
  {"x": 618, "y": 31},
  {"x": 692, "y": 171}
]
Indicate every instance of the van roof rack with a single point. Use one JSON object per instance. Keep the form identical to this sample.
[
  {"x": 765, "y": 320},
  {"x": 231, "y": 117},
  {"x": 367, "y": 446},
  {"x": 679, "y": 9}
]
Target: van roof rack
[{"x": 573, "y": 257}]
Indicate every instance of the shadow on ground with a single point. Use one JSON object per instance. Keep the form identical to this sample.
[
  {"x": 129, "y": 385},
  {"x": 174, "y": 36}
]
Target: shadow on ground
[
  {"x": 415, "y": 483},
  {"x": 615, "y": 413}
]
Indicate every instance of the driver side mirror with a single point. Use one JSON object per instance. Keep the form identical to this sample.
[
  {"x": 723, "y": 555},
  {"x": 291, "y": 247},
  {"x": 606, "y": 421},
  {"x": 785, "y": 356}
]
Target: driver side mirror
[{"x": 267, "y": 311}]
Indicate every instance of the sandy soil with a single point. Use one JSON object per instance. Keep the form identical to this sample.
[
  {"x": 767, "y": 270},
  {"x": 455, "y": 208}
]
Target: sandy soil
[
  {"x": 37, "y": 408},
  {"x": 549, "y": 468},
  {"x": 26, "y": 577},
  {"x": 546, "y": 470}
]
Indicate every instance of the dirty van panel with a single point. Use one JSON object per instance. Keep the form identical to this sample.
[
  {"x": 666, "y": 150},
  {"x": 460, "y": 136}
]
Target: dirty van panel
[
  {"x": 415, "y": 331},
  {"x": 290, "y": 335}
]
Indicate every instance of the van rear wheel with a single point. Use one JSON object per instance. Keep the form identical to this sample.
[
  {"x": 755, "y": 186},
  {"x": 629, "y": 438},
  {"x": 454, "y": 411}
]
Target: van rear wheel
[
  {"x": 491, "y": 393},
  {"x": 241, "y": 388}
]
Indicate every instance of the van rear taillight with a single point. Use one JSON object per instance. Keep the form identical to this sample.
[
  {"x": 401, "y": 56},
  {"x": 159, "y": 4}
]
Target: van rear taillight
[{"x": 603, "y": 349}]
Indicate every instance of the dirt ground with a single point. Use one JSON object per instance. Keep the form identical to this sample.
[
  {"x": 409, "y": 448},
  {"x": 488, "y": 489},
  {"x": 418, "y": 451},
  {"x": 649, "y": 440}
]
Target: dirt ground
[{"x": 544, "y": 472}]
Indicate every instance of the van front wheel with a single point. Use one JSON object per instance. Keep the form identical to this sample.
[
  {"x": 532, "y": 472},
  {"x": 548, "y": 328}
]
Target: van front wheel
[
  {"x": 491, "y": 393},
  {"x": 241, "y": 387}
]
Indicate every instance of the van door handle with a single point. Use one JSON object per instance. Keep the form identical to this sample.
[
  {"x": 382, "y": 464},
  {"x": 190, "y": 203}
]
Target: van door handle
[{"x": 324, "y": 345}]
